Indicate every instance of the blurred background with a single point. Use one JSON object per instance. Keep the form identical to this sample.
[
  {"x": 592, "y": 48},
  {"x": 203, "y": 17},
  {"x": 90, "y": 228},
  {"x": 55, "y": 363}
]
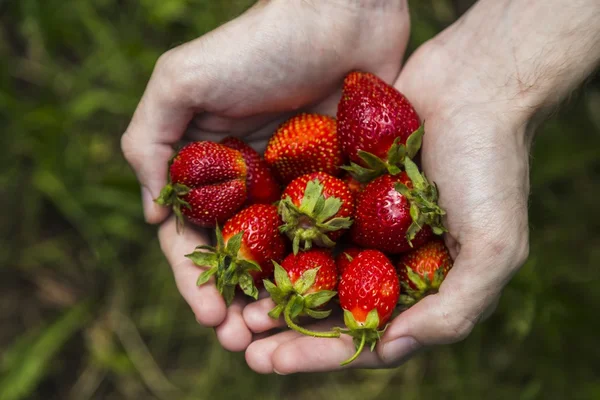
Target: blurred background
[{"x": 88, "y": 306}]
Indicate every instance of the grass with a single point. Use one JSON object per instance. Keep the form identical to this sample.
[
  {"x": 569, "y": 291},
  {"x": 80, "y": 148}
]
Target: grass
[{"x": 88, "y": 306}]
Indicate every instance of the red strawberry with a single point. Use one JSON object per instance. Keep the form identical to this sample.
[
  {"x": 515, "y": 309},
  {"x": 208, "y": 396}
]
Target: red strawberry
[
  {"x": 303, "y": 144},
  {"x": 396, "y": 213},
  {"x": 316, "y": 209},
  {"x": 374, "y": 124},
  {"x": 207, "y": 184},
  {"x": 304, "y": 283},
  {"x": 368, "y": 292},
  {"x": 422, "y": 271},
  {"x": 245, "y": 251},
  {"x": 344, "y": 258},
  {"x": 261, "y": 183}
]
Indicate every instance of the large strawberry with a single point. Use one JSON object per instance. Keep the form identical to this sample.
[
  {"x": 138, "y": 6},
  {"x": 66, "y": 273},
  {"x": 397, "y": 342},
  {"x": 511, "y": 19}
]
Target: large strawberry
[
  {"x": 422, "y": 271},
  {"x": 261, "y": 183},
  {"x": 375, "y": 122},
  {"x": 316, "y": 209},
  {"x": 303, "y": 144},
  {"x": 345, "y": 257},
  {"x": 207, "y": 184},
  {"x": 368, "y": 293},
  {"x": 304, "y": 283},
  {"x": 353, "y": 184},
  {"x": 395, "y": 213},
  {"x": 245, "y": 251}
]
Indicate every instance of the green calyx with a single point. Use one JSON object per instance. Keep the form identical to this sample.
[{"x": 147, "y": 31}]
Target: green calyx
[
  {"x": 293, "y": 301},
  {"x": 424, "y": 286},
  {"x": 310, "y": 223},
  {"x": 393, "y": 164},
  {"x": 172, "y": 195},
  {"x": 363, "y": 334},
  {"x": 226, "y": 266},
  {"x": 423, "y": 198}
]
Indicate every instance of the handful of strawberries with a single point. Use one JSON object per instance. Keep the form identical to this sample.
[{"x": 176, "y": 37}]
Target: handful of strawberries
[{"x": 337, "y": 207}]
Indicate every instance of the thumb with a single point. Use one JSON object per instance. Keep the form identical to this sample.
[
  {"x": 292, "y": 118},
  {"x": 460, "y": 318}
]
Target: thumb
[{"x": 469, "y": 294}]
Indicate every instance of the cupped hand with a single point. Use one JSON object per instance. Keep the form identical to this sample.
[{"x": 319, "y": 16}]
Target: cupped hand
[
  {"x": 476, "y": 148},
  {"x": 243, "y": 79}
]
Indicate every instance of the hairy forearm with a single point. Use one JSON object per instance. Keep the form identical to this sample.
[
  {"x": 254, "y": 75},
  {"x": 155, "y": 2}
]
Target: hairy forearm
[{"x": 539, "y": 49}]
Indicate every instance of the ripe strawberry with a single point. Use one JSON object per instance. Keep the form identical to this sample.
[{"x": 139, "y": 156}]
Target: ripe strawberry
[
  {"x": 422, "y": 271},
  {"x": 303, "y": 144},
  {"x": 375, "y": 122},
  {"x": 207, "y": 184},
  {"x": 344, "y": 258},
  {"x": 261, "y": 183},
  {"x": 395, "y": 213},
  {"x": 245, "y": 251},
  {"x": 304, "y": 283},
  {"x": 368, "y": 292},
  {"x": 316, "y": 209}
]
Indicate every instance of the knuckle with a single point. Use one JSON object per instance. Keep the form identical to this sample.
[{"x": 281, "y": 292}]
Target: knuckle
[
  {"x": 174, "y": 77},
  {"x": 457, "y": 326}
]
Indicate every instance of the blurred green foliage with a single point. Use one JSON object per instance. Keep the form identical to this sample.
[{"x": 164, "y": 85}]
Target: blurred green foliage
[{"x": 88, "y": 306}]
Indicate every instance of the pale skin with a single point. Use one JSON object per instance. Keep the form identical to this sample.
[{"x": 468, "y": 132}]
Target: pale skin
[{"x": 482, "y": 86}]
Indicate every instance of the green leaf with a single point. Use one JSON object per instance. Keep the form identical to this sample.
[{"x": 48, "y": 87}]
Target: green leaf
[
  {"x": 350, "y": 321},
  {"x": 248, "y": 265},
  {"x": 296, "y": 244},
  {"x": 336, "y": 224},
  {"x": 228, "y": 293},
  {"x": 278, "y": 296},
  {"x": 166, "y": 196},
  {"x": 306, "y": 280},
  {"x": 296, "y": 306},
  {"x": 234, "y": 244},
  {"x": 247, "y": 285},
  {"x": 312, "y": 193},
  {"x": 282, "y": 280},
  {"x": 374, "y": 162},
  {"x": 372, "y": 321},
  {"x": 403, "y": 189},
  {"x": 414, "y": 141},
  {"x": 331, "y": 206},
  {"x": 314, "y": 300},
  {"x": 219, "y": 237},
  {"x": 203, "y": 259},
  {"x": 205, "y": 276},
  {"x": 317, "y": 314}
]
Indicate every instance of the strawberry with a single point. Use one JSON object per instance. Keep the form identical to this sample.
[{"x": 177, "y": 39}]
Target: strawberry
[
  {"x": 375, "y": 122},
  {"x": 316, "y": 209},
  {"x": 207, "y": 184},
  {"x": 304, "y": 283},
  {"x": 344, "y": 258},
  {"x": 422, "y": 270},
  {"x": 261, "y": 183},
  {"x": 395, "y": 213},
  {"x": 368, "y": 292},
  {"x": 246, "y": 248},
  {"x": 303, "y": 144}
]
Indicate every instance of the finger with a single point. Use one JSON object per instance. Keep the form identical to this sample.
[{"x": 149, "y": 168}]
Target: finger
[
  {"x": 260, "y": 352},
  {"x": 310, "y": 354},
  {"x": 256, "y": 316},
  {"x": 472, "y": 286},
  {"x": 233, "y": 334},
  {"x": 205, "y": 301}
]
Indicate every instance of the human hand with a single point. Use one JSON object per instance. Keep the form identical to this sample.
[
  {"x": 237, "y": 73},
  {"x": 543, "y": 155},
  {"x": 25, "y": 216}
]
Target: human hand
[
  {"x": 243, "y": 79},
  {"x": 480, "y": 110}
]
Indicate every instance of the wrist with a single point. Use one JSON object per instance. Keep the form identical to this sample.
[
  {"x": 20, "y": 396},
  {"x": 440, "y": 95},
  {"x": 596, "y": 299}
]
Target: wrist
[{"x": 523, "y": 54}]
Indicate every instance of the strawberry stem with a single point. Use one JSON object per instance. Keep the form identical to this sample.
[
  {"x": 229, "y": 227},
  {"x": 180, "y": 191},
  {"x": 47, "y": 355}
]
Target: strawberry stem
[
  {"x": 292, "y": 325},
  {"x": 359, "y": 350}
]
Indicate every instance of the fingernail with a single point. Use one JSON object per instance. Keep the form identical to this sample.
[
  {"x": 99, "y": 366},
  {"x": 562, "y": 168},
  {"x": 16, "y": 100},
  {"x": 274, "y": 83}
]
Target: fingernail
[
  {"x": 278, "y": 373},
  {"x": 399, "y": 349}
]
